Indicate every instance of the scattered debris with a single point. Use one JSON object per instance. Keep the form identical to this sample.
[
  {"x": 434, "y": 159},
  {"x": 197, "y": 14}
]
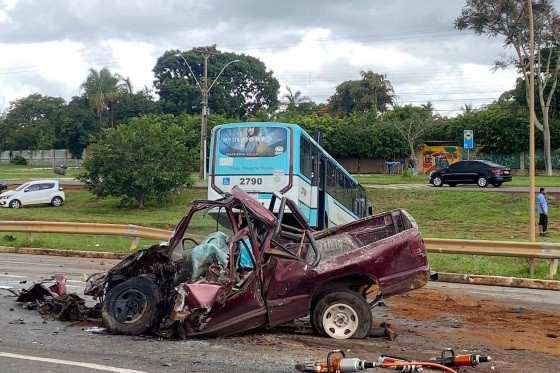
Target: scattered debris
[
  {"x": 384, "y": 330},
  {"x": 54, "y": 302},
  {"x": 517, "y": 309},
  {"x": 97, "y": 330},
  {"x": 9, "y": 238},
  {"x": 552, "y": 335},
  {"x": 10, "y": 289}
]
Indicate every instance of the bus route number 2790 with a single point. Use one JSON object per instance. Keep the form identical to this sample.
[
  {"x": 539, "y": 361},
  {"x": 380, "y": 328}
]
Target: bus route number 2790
[{"x": 250, "y": 181}]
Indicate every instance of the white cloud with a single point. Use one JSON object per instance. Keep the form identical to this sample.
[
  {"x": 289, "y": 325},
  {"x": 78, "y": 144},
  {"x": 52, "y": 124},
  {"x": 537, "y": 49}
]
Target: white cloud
[
  {"x": 47, "y": 46},
  {"x": 135, "y": 61}
]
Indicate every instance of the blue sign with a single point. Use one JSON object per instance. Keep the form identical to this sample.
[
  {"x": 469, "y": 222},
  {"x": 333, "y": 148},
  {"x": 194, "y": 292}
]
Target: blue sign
[
  {"x": 468, "y": 139},
  {"x": 225, "y": 181}
]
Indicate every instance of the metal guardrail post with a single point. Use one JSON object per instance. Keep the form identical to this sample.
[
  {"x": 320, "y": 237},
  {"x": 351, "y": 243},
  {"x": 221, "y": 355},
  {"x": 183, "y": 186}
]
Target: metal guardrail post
[
  {"x": 538, "y": 250},
  {"x": 553, "y": 268},
  {"x": 134, "y": 243}
]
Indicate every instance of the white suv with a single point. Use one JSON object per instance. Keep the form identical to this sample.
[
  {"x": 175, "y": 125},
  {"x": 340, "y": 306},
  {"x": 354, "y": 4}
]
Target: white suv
[{"x": 32, "y": 193}]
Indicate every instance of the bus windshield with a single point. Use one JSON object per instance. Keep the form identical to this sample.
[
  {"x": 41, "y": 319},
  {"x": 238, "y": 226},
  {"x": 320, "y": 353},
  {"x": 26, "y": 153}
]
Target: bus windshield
[{"x": 252, "y": 141}]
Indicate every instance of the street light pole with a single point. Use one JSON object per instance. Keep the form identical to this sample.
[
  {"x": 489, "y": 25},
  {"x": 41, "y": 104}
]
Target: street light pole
[
  {"x": 206, "y": 110},
  {"x": 206, "y": 53}
]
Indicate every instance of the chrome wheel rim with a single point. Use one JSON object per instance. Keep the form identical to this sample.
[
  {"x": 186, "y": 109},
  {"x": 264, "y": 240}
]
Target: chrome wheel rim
[{"x": 340, "y": 321}]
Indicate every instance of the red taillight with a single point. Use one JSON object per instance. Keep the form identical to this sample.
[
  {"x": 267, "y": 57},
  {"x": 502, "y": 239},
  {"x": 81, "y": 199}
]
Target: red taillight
[
  {"x": 417, "y": 246},
  {"x": 495, "y": 171}
]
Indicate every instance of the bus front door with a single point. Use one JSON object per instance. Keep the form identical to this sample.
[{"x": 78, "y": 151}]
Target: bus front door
[{"x": 320, "y": 171}]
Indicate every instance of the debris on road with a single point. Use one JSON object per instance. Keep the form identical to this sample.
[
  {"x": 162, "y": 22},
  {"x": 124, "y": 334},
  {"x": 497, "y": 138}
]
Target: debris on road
[{"x": 54, "y": 302}]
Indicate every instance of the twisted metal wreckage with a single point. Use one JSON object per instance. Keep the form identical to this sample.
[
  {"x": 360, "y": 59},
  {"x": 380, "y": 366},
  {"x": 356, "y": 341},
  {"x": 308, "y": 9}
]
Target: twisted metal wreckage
[{"x": 271, "y": 269}]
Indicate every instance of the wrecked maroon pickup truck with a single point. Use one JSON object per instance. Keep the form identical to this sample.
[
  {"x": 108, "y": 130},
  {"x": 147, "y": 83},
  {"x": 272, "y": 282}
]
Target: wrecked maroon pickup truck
[{"x": 250, "y": 270}]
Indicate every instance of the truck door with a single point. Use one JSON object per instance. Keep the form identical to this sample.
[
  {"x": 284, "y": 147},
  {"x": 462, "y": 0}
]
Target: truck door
[{"x": 242, "y": 306}]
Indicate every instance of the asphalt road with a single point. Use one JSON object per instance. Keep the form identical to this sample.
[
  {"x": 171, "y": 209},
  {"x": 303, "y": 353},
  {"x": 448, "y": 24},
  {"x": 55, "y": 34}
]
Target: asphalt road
[{"x": 30, "y": 344}]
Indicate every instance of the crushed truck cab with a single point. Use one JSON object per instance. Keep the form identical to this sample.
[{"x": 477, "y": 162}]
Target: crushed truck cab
[{"x": 249, "y": 269}]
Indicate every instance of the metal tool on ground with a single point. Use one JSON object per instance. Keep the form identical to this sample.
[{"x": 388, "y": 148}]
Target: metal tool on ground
[
  {"x": 450, "y": 359},
  {"x": 341, "y": 364}
]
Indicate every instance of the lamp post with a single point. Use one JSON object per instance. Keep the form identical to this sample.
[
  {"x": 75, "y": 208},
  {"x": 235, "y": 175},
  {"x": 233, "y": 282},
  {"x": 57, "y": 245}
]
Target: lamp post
[{"x": 205, "y": 110}]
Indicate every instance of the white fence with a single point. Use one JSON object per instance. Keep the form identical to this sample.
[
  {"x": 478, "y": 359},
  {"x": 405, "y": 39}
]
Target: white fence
[{"x": 52, "y": 157}]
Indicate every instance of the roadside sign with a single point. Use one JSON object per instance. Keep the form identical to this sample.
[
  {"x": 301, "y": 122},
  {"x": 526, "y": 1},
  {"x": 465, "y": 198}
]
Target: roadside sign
[{"x": 468, "y": 139}]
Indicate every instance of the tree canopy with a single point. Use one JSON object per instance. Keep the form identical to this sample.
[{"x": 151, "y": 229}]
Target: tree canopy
[
  {"x": 510, "y": 20},
  {"x": 32, "y": 122},
  {"x": 243, "y": 88},
  {"x": 143, "y": 159},
  {"x": 372, "y": 94}
]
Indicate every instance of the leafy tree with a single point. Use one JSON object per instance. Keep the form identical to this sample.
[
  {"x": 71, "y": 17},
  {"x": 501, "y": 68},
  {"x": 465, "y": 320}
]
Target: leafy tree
[
  {"x": 32, "y": 123},
  {"x": 134, "y": 105},
  {"x": 412, "y": 123},
  {"x": 372, "y": 94},
  {"x": 510, "y": 19},
  {"x": 78, "y": 125},
  {"x": 243, "y": 88},
  {"x": 103, "y": 90},
  {"x": 143, "y": 159},
  {"x": 295, "y": 103}
]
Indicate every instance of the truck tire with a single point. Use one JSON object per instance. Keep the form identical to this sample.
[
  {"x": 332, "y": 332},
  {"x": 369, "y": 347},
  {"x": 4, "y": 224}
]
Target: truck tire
[
  {"x": 132, "y": 307},
  {"x": 341, "y": 314}
]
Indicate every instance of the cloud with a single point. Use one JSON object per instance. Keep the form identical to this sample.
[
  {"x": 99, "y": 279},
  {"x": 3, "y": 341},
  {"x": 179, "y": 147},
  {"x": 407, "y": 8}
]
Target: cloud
[{"x": 47, "y": 46}]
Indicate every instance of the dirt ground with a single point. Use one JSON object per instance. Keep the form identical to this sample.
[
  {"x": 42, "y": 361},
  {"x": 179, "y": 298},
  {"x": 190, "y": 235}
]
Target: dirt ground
[{"x": 426, "y": 322}]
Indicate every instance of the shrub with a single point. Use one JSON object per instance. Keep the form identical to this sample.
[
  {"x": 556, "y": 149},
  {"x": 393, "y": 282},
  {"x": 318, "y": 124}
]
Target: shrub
[
  {"x": 18, "y": 159},
  {"x": 407, "y": 174}
]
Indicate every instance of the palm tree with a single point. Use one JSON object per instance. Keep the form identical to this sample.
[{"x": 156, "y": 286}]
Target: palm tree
[
  {"x": 295, "y": 103},
  {"x": 103, "y": 89}
]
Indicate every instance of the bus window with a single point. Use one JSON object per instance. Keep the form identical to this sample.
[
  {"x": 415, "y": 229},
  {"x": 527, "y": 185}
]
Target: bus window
[
  {"x": 331, "y": 179},
  {"x": 305, "y": 159}
]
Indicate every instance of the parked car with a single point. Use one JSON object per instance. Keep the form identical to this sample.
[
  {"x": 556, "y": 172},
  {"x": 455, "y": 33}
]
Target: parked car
[
  {"x": 34, "y": 192},
  {"x": 471, "y": 172},
  {"x": 199, "y": 286},
  {"x": 3, "y": 185}
]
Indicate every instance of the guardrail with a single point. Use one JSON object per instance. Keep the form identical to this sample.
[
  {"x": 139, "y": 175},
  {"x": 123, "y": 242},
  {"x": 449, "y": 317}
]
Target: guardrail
[
  {"x": 135, "y": 231},
  {"x": 541, "y": 250}
]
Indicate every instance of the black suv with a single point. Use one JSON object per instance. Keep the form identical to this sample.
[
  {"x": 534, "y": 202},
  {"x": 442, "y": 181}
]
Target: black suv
[
  {"x": 471, "y": 172},
  {"x": 3, "y": 186}
]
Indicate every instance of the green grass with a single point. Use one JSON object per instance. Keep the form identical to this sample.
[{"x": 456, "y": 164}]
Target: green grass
[
  {"x": 471, "y": 215},
  {"x": 384, "y": 179},
  {"x": 19, "y": 172},
  {"x": 444, "y": 213},
  {"x": 82, "y": 206}
]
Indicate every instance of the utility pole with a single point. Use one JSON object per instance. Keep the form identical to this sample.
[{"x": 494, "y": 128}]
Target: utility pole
[
  {"x": 204, "y": 89},
  {"x": 532, "y": 231},
  {"x": 206, "y": 52}
]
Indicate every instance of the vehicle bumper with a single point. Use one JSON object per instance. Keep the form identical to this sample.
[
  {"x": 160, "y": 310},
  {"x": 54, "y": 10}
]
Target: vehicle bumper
[
  {"x": 403, "y": 282},
  {"x": 502, "y": 179}
]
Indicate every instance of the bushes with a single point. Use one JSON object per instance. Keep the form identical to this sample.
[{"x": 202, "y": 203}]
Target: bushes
[{"x": 19, "y": 160}]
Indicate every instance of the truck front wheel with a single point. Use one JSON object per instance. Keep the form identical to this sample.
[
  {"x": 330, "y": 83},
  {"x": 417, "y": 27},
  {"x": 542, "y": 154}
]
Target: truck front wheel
[
  {"x": 132, "y": 306},
  {"x": 341, "y": 314}
]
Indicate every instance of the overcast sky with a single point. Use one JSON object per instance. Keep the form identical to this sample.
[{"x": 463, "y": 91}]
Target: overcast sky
[{"x": 47, "y": 46}]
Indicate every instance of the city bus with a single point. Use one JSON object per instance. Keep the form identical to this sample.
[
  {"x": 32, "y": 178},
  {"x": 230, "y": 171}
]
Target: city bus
[{"x": 267, "y": 157}]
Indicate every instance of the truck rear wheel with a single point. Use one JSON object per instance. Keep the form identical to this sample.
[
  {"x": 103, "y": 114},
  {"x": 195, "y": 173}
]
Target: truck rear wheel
[{"x": 341, "y": 314}]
